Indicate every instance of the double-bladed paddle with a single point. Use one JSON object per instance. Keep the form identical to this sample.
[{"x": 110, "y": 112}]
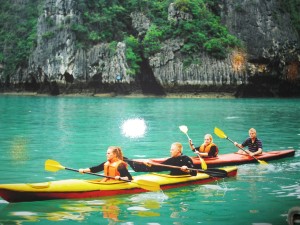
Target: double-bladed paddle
[
  {"x": 184, "y": 129},
  {"x": 211, "y": 172},
  {"x": 221, "y": 134},
  {"x": 53, "y": 166}
]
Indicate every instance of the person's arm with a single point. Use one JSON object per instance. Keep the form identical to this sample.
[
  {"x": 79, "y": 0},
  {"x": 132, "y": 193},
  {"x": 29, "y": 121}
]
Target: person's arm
[
  {"x": 94, "y": 169},
  {"x": 242, "y": 146},
  {"x": 189, "y": 164},
  {"x": 192, "y": 146},
  {"x": 213, "y": 151},
  {"x": 238, "y": 145},
  {"x": 196, "y": 150},
  {"x": 124, "y": 173},
  {"x": 202, "y": 154}
]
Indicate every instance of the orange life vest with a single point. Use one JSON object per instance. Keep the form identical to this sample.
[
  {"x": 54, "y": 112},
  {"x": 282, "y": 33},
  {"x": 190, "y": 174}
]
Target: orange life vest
[
  {"x": 111, "y": 169},
  {"x": 207, "y": 148}
]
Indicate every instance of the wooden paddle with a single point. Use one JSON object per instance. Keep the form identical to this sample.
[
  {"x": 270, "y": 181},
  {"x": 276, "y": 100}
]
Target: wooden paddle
[
  {"x": 211, "y": 172},
  {"x": 221, "y": 134},
  {"x": 53, "y": 166},
  {"x": 184, "y": 129}
]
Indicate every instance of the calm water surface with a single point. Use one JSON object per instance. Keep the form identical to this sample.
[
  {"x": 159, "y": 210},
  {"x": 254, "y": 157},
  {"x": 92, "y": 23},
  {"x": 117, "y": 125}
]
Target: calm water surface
[{"x": 76, "y": 131}]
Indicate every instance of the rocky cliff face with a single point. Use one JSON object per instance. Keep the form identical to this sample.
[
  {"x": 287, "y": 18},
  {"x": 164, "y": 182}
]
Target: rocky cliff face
[
  {"x": 56, "y": 57},
  {"x": 272, "y": 47},
  {"x": 266, "y": 30}
]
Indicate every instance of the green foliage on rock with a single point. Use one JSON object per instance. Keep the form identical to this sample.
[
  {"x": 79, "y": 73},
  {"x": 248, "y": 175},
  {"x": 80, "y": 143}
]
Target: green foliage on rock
[
  {"x": 152, "y": 40},
  {"x": 133, "y": 55},
  {"x": 197, "y": 24},
  {"x": 17, "y": 33}
]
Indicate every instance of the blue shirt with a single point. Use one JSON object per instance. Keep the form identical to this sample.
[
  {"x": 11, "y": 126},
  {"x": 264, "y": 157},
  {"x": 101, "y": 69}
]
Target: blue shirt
[{"x": 252, "y": 146}]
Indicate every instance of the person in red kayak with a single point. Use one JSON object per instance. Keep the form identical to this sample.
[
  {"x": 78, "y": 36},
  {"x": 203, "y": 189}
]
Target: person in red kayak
[
  {"x": 252, "y": 142},
  {"x": 114, "y": 167},
  {"x": 207, "y": 149}
]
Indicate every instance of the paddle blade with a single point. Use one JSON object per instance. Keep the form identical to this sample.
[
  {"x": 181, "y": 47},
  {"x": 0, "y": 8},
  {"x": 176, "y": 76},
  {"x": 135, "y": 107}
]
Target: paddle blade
[
  {"x": 203, "y": 163},
  {"x": 53, "y": 166},
  {"x": 215, "y": 173},
  {"x": 219, "y": 133},
  {"x": 262, "y": 162},
  {"x": 147, "y": 185},
  {"x": 183, "y": 128}
]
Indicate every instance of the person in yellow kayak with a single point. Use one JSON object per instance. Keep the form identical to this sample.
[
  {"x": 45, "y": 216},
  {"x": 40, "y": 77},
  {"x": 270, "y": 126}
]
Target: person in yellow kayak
[
  {"x": 177, "y": 159},
  {"x": 207, "y": 149},
  {"x": 252, "y": 142},
  {"x": 113, "y": 167}
]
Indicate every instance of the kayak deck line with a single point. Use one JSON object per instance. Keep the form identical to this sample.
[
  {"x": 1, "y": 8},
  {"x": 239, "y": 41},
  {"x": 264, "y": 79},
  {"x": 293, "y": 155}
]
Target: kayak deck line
[{"x": 80, "y": 189}]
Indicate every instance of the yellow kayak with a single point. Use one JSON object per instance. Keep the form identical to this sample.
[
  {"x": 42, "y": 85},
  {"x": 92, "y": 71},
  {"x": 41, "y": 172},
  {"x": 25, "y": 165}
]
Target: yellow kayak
[{"x": 78, "y": 188}]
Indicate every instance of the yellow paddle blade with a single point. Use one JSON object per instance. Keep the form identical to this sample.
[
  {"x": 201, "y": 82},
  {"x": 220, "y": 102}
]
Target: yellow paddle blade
[
  {"x": 219, "y": 133},
  {"x": 183, "y": 128},
  {"x": 203, "y": 163},
  {"x": 262, "y": 162},
  {"x": 147, "y": 185},
  {"x": 53, "y": 166}
]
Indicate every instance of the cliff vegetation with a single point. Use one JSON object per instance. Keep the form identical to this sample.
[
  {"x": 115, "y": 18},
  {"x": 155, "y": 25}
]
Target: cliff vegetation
[{"x": 250, "y": 48}]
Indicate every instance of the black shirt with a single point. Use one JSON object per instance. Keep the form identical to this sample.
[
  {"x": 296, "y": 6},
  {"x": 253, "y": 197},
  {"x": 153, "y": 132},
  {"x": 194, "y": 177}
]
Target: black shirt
[{"x": 179, "y": 161}]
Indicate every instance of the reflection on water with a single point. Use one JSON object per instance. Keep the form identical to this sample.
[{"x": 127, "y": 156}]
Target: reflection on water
[
  {"x": 46, "y": 210},
  {"x": 19, "y": 149},
  {"x": 134, "y": 128},
  {"x": 142, "y": 205}
]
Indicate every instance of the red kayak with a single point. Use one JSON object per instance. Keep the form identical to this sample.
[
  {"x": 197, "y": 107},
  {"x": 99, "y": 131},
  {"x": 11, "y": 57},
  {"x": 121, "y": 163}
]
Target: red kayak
[{"x": 235, "y": 158}]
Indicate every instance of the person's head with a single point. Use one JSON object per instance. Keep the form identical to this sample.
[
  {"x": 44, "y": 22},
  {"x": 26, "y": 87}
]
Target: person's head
[
  {"x": 208, "y": 139},
  {"x": 114, "y": 152},
  {"x": 252, "y": 133},
  {"x": 176, "y": 149}
]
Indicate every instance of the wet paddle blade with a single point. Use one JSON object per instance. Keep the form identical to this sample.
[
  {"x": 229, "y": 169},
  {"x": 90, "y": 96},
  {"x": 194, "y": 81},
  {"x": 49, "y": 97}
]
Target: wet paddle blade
[
  {"x": 203, "y": 163},
  {"x": 53, "y": 166},
  {"x": 262, "y": 162},
  {"x": 215, "y": 172},
  {"x": 147, "y": 185},
  {"x": 219, "y": 133},
  {"x": 183, "y": 128}
]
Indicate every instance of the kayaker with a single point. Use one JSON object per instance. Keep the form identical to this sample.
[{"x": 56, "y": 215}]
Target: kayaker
[
  {"x": 253, "y": 143},
  {"x": 207, "y": 149},
  {"x": 176, "y": 159},
  {"x": 114, "y": 167}
]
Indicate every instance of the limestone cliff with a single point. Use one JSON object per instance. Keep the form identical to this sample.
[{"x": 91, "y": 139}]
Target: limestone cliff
[{"x": 271, "y": 47}]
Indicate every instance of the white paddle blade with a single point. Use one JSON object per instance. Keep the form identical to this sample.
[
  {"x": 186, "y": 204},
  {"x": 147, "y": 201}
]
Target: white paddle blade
[{"x": 183, "y": 128}]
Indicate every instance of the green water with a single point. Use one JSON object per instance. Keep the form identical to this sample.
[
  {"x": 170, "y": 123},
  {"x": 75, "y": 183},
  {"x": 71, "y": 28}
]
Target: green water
[{"x": 76, "y": 131}]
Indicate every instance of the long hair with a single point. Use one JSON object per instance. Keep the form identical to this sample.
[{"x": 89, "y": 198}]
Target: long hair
[{"x": 118, "y": 151}]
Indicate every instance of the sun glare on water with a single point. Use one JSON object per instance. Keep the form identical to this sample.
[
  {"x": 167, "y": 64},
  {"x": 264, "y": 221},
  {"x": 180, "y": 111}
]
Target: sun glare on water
[{"x": 134, "y": 128}]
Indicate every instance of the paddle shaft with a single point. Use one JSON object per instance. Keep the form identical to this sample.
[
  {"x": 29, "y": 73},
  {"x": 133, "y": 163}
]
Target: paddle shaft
[
  {"x": 96, "y": 174},
  {"x": 211, "y": 172},
  {"x": 203, "y": 163},
  {"x": 53, "y": 166},
  {"x": 221, "y": 134},
  {"x": 187, "y": 135}
]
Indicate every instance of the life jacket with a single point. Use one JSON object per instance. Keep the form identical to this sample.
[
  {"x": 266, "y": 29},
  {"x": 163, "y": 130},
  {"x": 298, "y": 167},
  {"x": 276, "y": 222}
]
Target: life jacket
[
  {"x": 111, "y": 170},
  {"x": 207, "y": 148}
]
